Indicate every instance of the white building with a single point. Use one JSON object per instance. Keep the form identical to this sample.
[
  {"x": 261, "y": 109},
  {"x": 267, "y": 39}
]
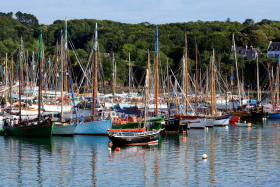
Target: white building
[{"x": 273, "y": 49}]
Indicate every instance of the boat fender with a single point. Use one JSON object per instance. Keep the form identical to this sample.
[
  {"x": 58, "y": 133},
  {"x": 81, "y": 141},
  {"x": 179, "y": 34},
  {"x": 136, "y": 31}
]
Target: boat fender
[
  {"x": 184, "y": 132},
  {"x": 184, "y": 138},
  {"x": 204, "y": 156},
  {"x": 118, "y": 149},
  {"x": 109, "y": 144},
  {"x": 249, "y": 124}
]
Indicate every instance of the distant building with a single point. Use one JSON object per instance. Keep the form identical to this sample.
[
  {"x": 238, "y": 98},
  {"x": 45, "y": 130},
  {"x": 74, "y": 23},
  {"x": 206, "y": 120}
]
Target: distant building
[
  {"x": 107, "y": 55},
  {"x": 252, "y": 53},
  {"x": 273, "y": 49},
  {"x": 248, "y": 53}
]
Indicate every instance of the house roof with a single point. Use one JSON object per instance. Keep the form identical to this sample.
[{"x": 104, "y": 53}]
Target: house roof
[{"x": 273, "y": 46}]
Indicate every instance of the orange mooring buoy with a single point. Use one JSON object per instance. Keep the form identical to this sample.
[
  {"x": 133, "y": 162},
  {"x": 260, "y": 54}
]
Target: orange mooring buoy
[
  {"x": 184, "y": 132},
  {"x": 118, "y": 149}
]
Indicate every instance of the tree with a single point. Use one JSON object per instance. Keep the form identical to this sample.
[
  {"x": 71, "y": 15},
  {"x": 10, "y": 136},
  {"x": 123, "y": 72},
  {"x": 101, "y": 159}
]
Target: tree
[{"x": 249, "y": 22}]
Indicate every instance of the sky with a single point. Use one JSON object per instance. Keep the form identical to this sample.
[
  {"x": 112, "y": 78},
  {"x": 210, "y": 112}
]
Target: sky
[{"x": 152, "y": 11}]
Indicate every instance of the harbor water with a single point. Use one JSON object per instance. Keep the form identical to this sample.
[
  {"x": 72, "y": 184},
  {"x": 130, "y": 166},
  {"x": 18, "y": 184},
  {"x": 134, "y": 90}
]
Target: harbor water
[{"x": 237, "y": 156}]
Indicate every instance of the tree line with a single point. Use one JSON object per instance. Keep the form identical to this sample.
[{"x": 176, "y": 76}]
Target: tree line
[{"x": 139, "y": 39}]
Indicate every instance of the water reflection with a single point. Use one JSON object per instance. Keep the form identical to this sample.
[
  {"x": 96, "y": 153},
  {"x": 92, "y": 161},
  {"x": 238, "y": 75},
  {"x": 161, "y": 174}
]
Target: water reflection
[{"x": 237, "y": 156}]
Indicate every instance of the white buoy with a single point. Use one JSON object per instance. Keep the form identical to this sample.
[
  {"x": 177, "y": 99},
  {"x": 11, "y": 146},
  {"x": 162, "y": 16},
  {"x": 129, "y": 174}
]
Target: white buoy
[
  {"x": 109, "y": 148},
  {"x": 204, "y": 156}
]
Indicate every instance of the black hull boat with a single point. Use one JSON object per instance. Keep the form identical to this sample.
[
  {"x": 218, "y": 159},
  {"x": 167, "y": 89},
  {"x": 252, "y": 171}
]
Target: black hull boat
[
  {"x": 172, "y": 124},
  {"x": 135, "y": 138}
]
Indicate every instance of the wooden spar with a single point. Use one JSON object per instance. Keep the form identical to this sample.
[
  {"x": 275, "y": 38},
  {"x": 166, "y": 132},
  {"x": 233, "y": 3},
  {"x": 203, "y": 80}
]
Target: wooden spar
[
  {"x": 61, "y": 59},
  {"x": 40, "y": 76},
  {"x": 6, "y": 77},
  {"x": 56, "y": 66},
  {"x": 94, "y": 73},
  {"x": 49, "y": 74},
  {"x": 147, "y": 91},
  {"x": 277, "y": 84},
  {"x": 271, "y": 88},
  {"x": 237, "y": 76},
  {"x": 212, "y": 90},
  {"x": 129, "y": 76},
  {"x": 12, "y": 83},
  {"x": 27, "y": 80},
  {"x": 113, "y": 76},
  {"x": 195, "y": 78},
  {"x": 258, "y": 79},
  {"x": 156, "y": 87},
  {"x": 186, "y": 72},
  {"x": 167, "y": 84},
  {"x": 33, "y": 84},
  {"x": 65, "y": 85}
]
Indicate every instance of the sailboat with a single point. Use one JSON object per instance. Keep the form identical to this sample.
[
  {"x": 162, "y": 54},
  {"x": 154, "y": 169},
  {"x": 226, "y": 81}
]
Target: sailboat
[
  {"x": 34, "y": 127},
  {"x": 62, "y": 127},
  {"x": 136, "y": 136},
  {"x": 190, "y": 121},
  {"x": 91, "y": 126}
]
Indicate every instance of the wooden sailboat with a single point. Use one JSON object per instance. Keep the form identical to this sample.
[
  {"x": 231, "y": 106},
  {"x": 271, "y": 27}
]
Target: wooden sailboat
[
  {"x": 93, "y": 127},
  {"x": 136, "y": 136},
  {"x": 188, "y": 121},
  {"x": 62, "y": 127},
  {"x": 35, "y": 127}
]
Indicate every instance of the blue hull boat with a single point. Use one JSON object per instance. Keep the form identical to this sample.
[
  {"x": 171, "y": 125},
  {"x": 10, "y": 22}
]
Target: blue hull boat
[{"x": 94, "y": 128}]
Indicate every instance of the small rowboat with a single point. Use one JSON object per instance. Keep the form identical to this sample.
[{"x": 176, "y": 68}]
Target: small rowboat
[{"x": 243, "y": 124}]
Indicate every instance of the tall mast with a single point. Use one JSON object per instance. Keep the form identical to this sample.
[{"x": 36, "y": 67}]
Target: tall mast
[
  {"x": 156, "y": 91},
  {"x": 20, "y": 79},
  {"x": 129, "y": 75},
  {"x": 6, "y": 92},
  {"x": 234, "y": 48},
  {"x": 271, "y": 88},
  {"x": 277, "y": 79},
  {"x": 40, "y": 75},
  {"x": 61, "y": 59},
  {"x": 113, "y": 76},
  {"x": 186, "y": 72},
  {"x": 56, "y": 61},
  {"x": 12, "y": 83},
  {"x": 66, "y": 87},
  {"x": 33, "y": 72},
  {"x": 212, "y": 90},
  {"x": 196, "y": 78},
  {"x": 258, "y": 79},
  {"x": 147, "y": 90},
  {"x": 49, "y": 73},
  {"x": 27, "y": 80},
  {"x": 94, "y": 73},
  {"x": 167, "y": 84}
]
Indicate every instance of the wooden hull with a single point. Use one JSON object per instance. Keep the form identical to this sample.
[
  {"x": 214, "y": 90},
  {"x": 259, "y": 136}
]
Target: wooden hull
[
  {"x": 66, "y": 130},
  {"x": 153, "y": 124},
  {"x": 146, "y": 138},
  {"x": 94, "y": 128},
  {"x": 172, "y": 125},
  {"x": 274, "y": 116},
  {"x": 193, "y": 122},
  {"x": 42, "y": 129}
]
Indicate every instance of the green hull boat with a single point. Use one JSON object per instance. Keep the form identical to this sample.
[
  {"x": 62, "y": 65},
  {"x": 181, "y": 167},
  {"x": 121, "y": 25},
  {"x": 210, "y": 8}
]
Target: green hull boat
[
  {"x": 2, "y": 132},
  {"x": 152, "y": 124},
  {"x": 36, "y": 129}
]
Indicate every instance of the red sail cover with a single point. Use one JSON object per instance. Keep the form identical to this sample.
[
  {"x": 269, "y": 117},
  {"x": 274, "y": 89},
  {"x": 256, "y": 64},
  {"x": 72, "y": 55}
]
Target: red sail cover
[{"x": 128, "y": 130}]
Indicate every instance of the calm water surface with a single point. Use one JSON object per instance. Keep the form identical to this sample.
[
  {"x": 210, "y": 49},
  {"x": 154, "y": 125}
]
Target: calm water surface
[{"x": 238, "y": 156}]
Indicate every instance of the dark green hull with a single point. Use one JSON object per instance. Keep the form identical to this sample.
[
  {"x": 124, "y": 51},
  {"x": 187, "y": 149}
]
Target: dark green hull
[
  {"x": 2, "y": 132},
  {"x": 42, "y": 129},
  {"x": 155, "y": 124}
]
